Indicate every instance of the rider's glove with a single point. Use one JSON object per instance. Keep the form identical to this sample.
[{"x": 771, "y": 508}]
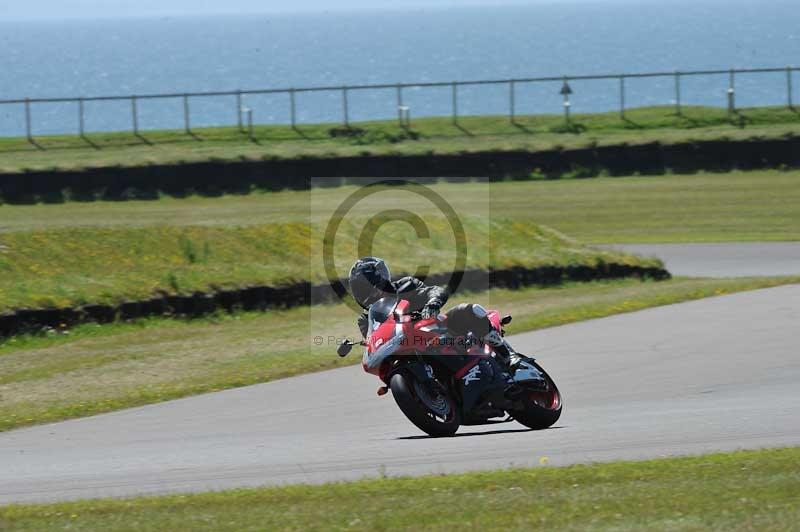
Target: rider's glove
[{"x": 430, "y": 311}]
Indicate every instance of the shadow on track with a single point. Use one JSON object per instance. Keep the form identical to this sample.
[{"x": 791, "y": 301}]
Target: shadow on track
[{"x": 467, "y": 434}]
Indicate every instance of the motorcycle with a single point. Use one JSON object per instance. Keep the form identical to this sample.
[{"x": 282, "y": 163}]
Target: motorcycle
[{"x": 441, "y": 381}]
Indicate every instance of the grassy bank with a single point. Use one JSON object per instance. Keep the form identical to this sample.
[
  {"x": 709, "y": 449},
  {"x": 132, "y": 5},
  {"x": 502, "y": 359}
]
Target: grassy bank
[
  {"x": 735, "y": 206},
  {"x": 439, "y": 135},
  {"x": 94, "y": 369},
  {"x": 73, "y": 253},
  {"x": 70, "y": 267},
  {"x": 749, "y": 490}
]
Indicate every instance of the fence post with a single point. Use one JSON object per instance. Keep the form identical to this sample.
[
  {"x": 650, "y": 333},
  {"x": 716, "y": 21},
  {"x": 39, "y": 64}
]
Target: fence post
[
  {"x": 622, "y": 97},
  {"x": 345, "y": 107},
  {"x": 81, "y": 126},
  {"x": 789, "y": 87},
  {"x": 731, "y": 94},
  {"x": 400, "y": 105},
  {"x": 292, "y": 109},
  {"x": 455, "y": 102},
  {"x": 512, "y": 101},
  {"x": 565, "y": 91},
  {"x": 239, "y": 110},
  {"x": 135, "y": 115},
  {"x": 187, "y": 125},
  {"x": 677, "y": 93},
  {"x": 28, "y": 132},
  {"x": 250, "y": 134}
]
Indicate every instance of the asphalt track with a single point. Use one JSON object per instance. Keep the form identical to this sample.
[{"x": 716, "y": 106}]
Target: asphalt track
[
  {"x": 735, "y": 259},
  {"x": 711, "y": 375}
]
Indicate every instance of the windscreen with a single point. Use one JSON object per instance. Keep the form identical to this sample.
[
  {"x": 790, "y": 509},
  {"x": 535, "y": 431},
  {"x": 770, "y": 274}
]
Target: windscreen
[
  {"x": 387, "y": 341},
  {"x": 380, "y": 311}
]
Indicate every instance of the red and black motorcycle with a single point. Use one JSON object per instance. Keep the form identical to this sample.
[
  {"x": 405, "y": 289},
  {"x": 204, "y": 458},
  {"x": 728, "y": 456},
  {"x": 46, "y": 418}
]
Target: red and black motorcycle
[{"x": 441, "y": 381}]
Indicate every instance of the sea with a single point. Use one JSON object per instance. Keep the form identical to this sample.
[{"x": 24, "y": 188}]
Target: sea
[{"x": 108, "y": 57}]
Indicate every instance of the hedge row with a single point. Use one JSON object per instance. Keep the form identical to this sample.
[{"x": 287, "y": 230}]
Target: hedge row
[
  {"x": 261, "y": 298},
  {"x": 220, "y": 177}
]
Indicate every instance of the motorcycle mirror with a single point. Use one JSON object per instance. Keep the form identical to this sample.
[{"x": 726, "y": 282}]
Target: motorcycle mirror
[
  {"x": 344, "y": 349},
  {"x": 506, "y": 320}
]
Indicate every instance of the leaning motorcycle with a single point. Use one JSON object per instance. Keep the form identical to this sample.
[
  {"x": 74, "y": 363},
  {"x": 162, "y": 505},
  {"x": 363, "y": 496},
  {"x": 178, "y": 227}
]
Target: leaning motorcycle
[{"x": 441, "y": 381}]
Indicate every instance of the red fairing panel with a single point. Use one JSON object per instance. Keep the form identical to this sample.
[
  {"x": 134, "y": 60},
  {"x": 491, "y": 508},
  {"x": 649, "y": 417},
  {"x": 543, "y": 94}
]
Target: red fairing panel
[
  {"x": 384, "y": 343},
  {"x": 494, "y": 317}
]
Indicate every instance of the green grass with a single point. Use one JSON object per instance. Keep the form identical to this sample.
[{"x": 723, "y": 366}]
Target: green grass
[
  {"x": 93, "y": 369},
  {"x": 728, "y": 207},
  {"x": 69, "y": 267},
  {"x": 382, "y": 137},
  {"x": 704, "y": 207},
  {"x": 746, "y": 490},
  {"x": 59, "y": 255}
]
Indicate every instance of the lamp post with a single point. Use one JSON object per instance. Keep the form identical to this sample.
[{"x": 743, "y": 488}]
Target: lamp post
[
  {"x": 28, "y": 128},
  {"x": 731, "y": 94},
  {"x": 565, "y": 91},
  {"x": 239, "y": 108},
  {"x": 81, "y": 124},
  {"x": 135, "y": 115},
  {"x": 345, "y": 108},
  {"x": 292, "y": 108},
  {"x": 512, "y": 101},
  {"x": 731, "y": 101},
  {"x": 187, "y": 124}
]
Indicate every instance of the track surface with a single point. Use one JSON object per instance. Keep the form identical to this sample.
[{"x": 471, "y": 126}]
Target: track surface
[
  {"x": 716, "y": 374},
  {"x": 751, "y": 259}
]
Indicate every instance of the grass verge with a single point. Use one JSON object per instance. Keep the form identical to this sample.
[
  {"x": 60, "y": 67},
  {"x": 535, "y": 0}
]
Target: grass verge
[
  {"x": 60, "y": 255},
  {"x": 70, "y": 267},
  {"x": 440, "y": 135},
  {"x": 746, "y": 490},
  {"x": 735, "y": 206},
  {"x": 94, "y": 369}
]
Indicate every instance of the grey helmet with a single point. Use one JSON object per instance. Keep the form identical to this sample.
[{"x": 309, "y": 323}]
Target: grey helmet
[{"x": 370, "y": 280}]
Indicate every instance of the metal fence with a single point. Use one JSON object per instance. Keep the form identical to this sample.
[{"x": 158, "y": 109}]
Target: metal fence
[{"x": 242, "y": 116}]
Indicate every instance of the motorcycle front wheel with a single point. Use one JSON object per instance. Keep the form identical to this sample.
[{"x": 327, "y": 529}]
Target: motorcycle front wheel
[
  {"x": 433, "y": 412},
  {"x": 541, "y": 408}
]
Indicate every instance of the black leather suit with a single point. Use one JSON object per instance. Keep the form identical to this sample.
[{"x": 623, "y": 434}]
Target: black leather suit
[{"x": 460, "y": 319}]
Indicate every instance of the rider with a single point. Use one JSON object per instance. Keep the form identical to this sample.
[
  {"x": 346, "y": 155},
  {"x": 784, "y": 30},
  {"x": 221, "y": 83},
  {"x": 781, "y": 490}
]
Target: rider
[{"x": 370, "y": 281}]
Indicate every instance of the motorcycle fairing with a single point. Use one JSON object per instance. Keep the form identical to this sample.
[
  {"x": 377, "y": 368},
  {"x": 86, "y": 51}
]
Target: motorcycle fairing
[
  {"x": 480, "y": 383},
  {"x": 436, "y": 327},
  {"x": 494, "y": 317},
  {"x": 383, "y": 349},
  {"x": 416, "y": 368},
  {"x": 478, "y": 378},
  {"x": 384, "y": 336}
]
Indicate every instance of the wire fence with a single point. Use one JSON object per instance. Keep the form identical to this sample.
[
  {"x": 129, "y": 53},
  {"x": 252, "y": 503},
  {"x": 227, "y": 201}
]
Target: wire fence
[{"x": 242, "y": 116}]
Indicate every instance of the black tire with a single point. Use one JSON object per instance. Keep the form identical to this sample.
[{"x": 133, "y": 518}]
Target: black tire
[
  {"x": 418, "y": 413},
  {"x": 534, "y": 415}
]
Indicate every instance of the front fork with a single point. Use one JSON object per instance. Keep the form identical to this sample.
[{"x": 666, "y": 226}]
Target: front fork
[{"x": 420, "y": 370}]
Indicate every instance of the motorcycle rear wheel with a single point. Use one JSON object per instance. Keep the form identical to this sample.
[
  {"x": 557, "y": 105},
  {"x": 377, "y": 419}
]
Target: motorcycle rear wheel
[
  {"x": 541, "y": 409},
  {"x": 436, "y": 416}
]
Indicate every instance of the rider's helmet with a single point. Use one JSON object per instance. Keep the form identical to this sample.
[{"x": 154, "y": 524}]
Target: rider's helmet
[{"x": 370, "y": 280}]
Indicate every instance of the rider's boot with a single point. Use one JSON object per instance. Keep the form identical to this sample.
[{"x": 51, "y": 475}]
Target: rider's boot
[
  {"x": 517, "y": 373},
  {"x": 475, "y": 318}
]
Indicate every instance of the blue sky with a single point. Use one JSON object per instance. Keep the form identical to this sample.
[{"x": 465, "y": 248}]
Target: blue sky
[{"x": 59, "y": 9}]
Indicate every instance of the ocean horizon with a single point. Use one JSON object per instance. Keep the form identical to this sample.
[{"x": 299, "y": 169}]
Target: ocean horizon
[{"x": 102, "y": 57}]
